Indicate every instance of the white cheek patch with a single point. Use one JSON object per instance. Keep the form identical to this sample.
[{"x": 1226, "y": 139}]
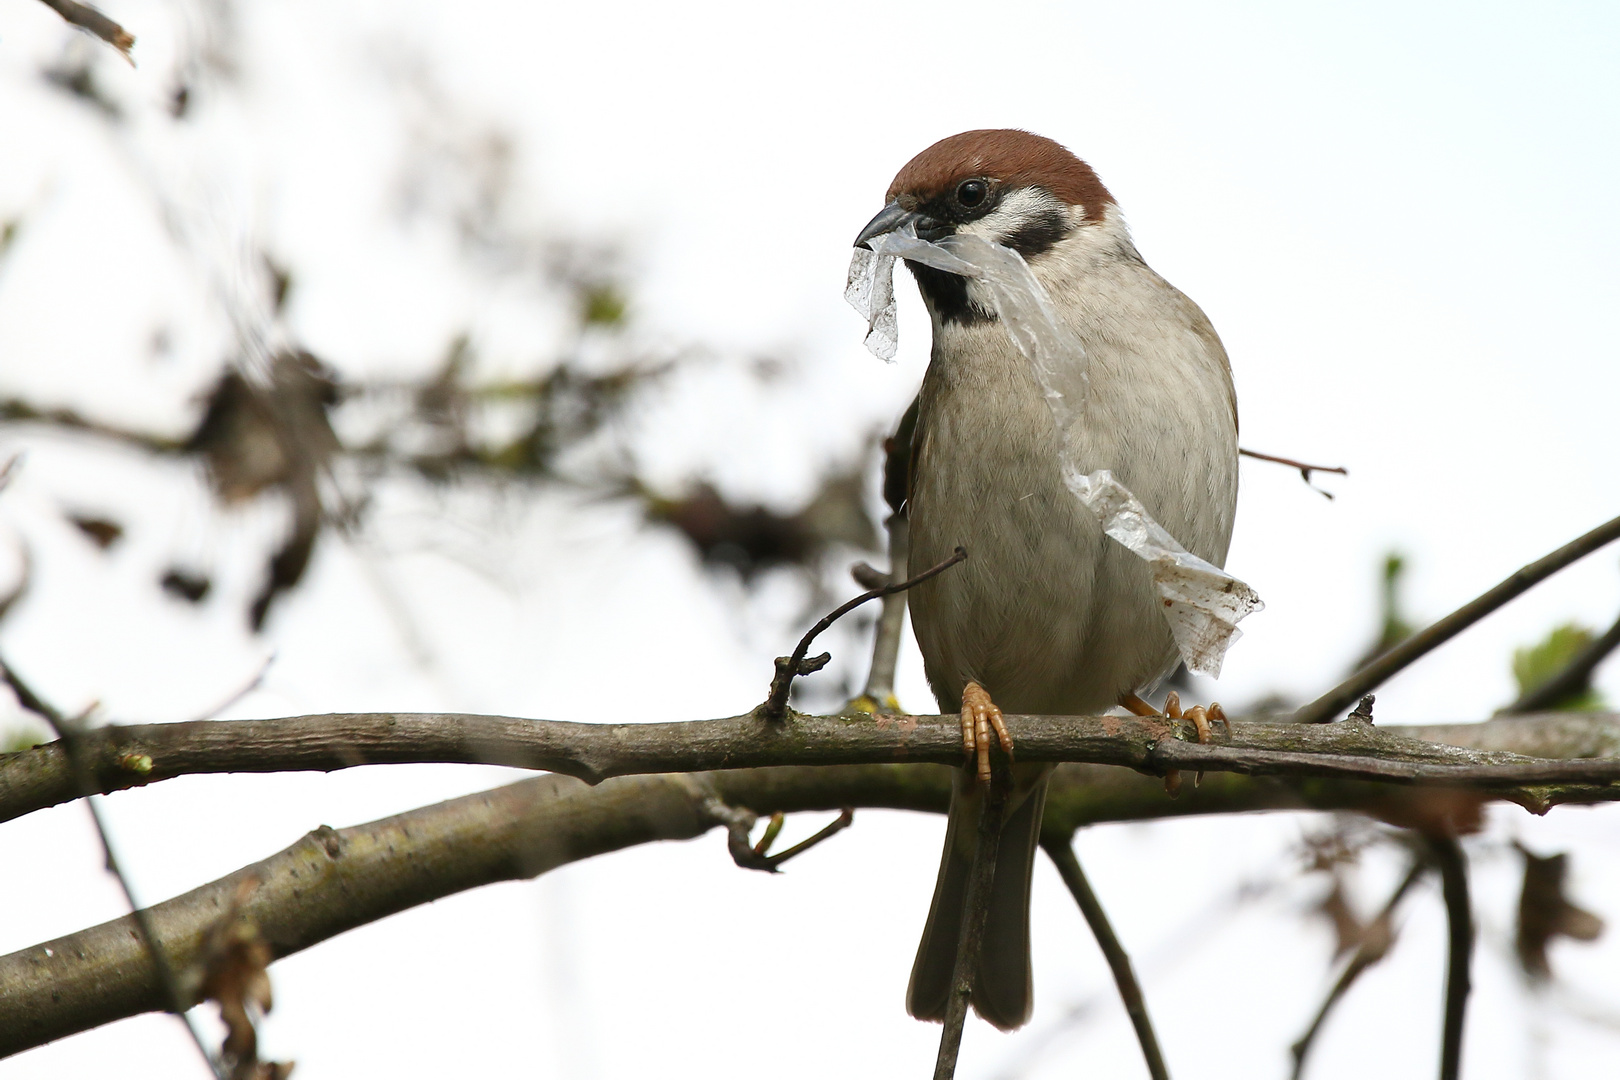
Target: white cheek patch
[
  {"x": 1201, "y": 602},
  {"x": 1016, "y": 210}
]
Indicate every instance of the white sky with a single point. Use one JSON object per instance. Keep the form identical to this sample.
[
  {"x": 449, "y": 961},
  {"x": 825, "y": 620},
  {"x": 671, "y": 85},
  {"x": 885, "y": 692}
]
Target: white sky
[{"x": 1400, "y": 218}]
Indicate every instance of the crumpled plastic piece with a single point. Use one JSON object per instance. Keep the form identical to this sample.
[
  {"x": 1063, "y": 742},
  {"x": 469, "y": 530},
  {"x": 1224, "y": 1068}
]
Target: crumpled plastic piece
[
  {"x": 1020, "y": 302},
  {"x": 870, "y": 291},
  {"x": 1203, "y": 603}
]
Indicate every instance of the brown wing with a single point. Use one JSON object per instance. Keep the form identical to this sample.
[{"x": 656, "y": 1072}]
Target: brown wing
[{"x": 899, "y": 459}]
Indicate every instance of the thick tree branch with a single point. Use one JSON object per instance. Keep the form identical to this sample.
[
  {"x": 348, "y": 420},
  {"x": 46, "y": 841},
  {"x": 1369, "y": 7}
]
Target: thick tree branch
[
  {"x": 333, "y": 880},
  {"x": 311, "y": 894},
  {"x": 1584, "y": 748},
  {"x": 336, "y": 880}
]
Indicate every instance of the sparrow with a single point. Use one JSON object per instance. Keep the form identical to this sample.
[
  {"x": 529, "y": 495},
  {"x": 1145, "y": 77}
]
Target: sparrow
[{"x": 1047, "y": 615}]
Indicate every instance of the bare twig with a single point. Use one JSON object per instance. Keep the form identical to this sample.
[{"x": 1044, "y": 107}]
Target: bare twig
[
  {"x": 240, "y": 692},
  {"x": 1576, "y": 675},
  {"x": 68, "y": 731},
  {"x": 88, "y": 18},
  {"x": 1448, "y": 859},
  {"x": 739, "y": 821},
  {"x": 1373, "y": 948},
  {"x": 1305, "y": 469},
  {"x": 878, "y": 696},
  {"x": 18, "y": 411},
  {"x": 1061, "y": 851},
  {"x": 789, "y": 668},
  {"x": 1370, "y": 677},
  {"x": 975, "y": 913}
]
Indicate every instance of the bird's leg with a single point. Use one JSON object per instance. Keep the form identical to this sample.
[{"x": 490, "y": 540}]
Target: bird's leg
[
  {"x": 979, "y": 717},
  {"x": 1137, "y": 707}
]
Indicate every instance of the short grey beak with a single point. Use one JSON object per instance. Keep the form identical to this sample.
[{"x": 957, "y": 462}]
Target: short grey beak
[{"x": 888, "y": 219}]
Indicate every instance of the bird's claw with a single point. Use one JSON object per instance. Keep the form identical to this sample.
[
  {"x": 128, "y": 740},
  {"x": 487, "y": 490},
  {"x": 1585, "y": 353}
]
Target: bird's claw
[
  {"x": 1200, "y": 716},
  {"x": 1202, "y": 720},
  {"x": 981, "y": 716}
]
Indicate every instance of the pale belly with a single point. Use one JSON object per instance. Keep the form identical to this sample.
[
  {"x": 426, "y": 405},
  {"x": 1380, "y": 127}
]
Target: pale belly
[{"x": 1049, "y": 614}]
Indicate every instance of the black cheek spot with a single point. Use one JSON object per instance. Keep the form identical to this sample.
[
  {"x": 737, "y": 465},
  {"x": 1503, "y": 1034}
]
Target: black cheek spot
[
  {"x": 1039, "y": 234},
  {"x": 946, "y": 294}
]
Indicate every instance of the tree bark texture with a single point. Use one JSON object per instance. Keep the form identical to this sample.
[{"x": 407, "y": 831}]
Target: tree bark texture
[
  {"x": 1507, "y": 756},
  {"x": 333, "y": 880}
]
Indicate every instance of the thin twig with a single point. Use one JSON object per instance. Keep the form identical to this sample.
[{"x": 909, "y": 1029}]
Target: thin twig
[
  {"x": 790, "y": 668},
  {"x": 1448, "y": 858},
  {"x": 1576, "y": 676},
  {"x": 878, "y": 696},
  {"x": 975, "y": 913},
  {"x": 739, "y": 821},
  {"x": 18, "y": 411},
  {"x": 67, "y": 731},
  {"x": 88, "y": 18},
  {"x": 1370, "y": 952},
  {"x": 1305, "y": 469},
  {"x": 240, "y": 692},
  {"x": 1373, "y": 675},
  {"x": 1291, "y": 463},
  {"x": 1061, "y": 851}
]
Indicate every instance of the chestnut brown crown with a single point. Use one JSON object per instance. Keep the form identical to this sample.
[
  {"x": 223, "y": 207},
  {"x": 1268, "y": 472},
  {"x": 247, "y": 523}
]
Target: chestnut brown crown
[{"x": 1007, "y": 157}]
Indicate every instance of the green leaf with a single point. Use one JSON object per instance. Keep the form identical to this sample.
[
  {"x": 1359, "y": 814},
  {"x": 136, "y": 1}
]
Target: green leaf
[{"x": 1534, "y": 664}]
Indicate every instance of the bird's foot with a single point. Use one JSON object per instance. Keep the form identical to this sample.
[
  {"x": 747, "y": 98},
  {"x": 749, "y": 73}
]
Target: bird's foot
[
  {"x": 980, "y": 716},
  {"x": 1201, "y": 718}
]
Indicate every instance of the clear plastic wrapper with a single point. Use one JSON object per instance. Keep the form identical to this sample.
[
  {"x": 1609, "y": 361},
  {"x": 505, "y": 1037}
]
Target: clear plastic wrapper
[
  {"x": 870, "y": 291},
  {"x": 1203, "y": 603}
]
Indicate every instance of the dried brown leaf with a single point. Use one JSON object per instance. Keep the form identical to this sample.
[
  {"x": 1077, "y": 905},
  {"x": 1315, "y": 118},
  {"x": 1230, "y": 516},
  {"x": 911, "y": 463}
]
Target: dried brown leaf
[
  {"x": 1349, "y": 931},
  {"x": 235, "y": 959},
  {"x": 1546, "y": 912}
]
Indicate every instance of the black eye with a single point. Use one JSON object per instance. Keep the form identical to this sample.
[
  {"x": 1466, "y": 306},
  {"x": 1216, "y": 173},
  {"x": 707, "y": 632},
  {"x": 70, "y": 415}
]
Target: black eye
[{"x": 971, "y": 193}]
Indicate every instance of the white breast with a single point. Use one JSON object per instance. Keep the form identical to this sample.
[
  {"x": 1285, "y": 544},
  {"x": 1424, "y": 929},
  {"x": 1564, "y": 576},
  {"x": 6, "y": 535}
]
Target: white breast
[{"x": 1048, "y": 614}]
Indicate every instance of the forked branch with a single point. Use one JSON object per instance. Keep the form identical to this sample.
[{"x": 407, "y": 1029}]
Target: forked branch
[{"x": 789, "y": 668}]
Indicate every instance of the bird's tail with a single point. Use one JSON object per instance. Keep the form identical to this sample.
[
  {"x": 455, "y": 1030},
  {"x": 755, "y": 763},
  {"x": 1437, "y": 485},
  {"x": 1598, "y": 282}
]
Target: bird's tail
[{"x": 1003, "y": 992}]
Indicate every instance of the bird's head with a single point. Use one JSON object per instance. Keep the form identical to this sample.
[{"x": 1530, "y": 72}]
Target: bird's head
[{"x": 1007, "y": 186}]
